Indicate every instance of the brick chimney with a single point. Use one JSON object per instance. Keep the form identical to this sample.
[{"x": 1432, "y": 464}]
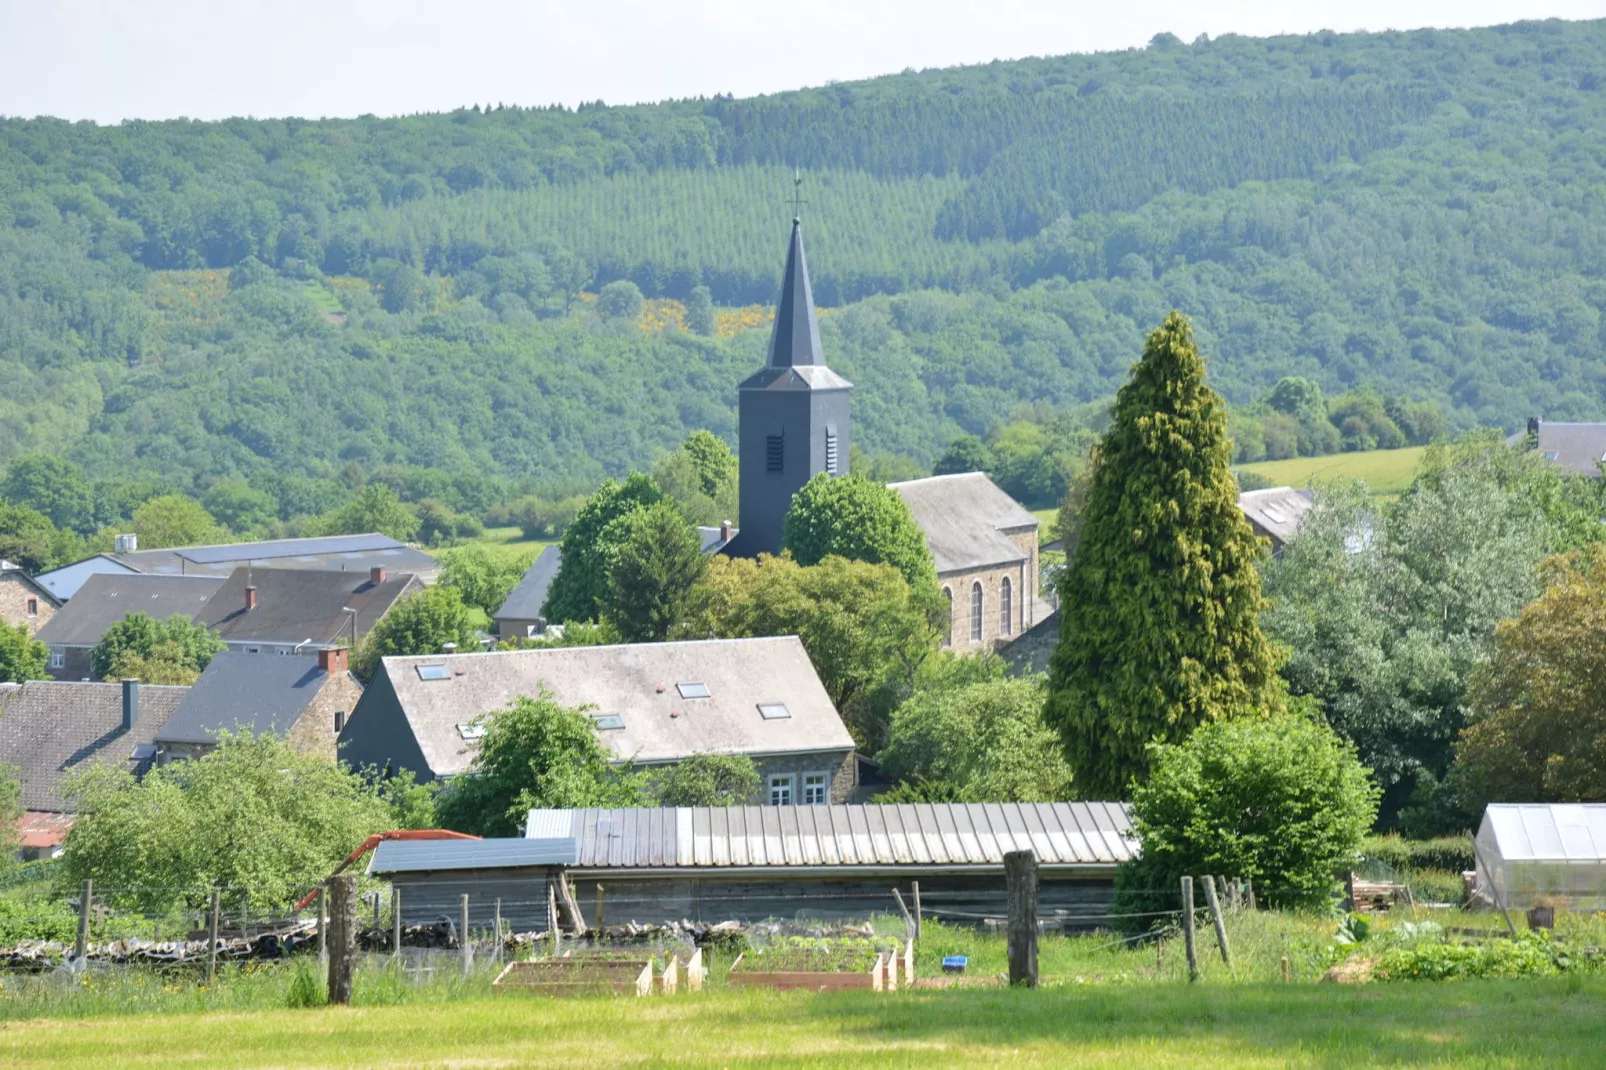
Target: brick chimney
[
  {"x": 130, "y": 703},
  {"x": 376, "y": 575},
  {"x": 250, "y": 598},
  {"x": 724, "y": 531},
  {"x": 332, "y": 659}
]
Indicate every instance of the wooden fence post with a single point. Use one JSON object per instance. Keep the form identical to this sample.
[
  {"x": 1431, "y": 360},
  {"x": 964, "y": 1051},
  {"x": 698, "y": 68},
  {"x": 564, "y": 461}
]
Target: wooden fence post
[
  {"x": 1188, "y": 940},
  {"x": 395, "y": 921},
  {"x": 1215, "y": 917},
  {"x": 464, "y": 942},
  {"x": 908, "y": 919},
  {"x": 497, "y": 910},
  {"x": 552, "y": 917},
  {"x": 1020, "y": 875},
  {"x": 599, "y": 910},
  {"x": 342, "y": 936},
  {"x": 211, "y": 946},
  {"x": 323, "y": 923},
  {"x": 1249, "y": 889},
  {"x": 86, "y": 903},
  {"x": 915, "y": 887}
]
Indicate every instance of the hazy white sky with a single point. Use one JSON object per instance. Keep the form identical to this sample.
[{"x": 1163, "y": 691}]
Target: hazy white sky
[{"x": 113, "y": 59}]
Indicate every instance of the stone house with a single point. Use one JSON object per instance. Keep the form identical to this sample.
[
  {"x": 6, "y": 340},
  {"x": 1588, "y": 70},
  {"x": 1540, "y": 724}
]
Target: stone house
[
  {"x": 23, "y": 600},
  {"x": 50, "y": 728},
  {"x": 303, "y": 699},
  {"x": 984, "y": 544},
  {"x": 651, "y": 704},
  {"x": 105, "y": 599}
]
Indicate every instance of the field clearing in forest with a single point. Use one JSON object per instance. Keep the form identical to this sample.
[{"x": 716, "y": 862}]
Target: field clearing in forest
[{"x": 1385, "y": 471}]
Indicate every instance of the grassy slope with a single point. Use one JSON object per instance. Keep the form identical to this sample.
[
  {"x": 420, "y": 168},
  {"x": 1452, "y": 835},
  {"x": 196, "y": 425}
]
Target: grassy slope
[
  {"x": 1385, "y": 471},
  {"x": 1483, "y": 1024}
]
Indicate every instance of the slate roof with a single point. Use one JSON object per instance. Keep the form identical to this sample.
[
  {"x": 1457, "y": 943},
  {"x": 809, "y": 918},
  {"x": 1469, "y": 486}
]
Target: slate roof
[
  {"x": 1575, "y": 447},
  {"x": 930, "y": 834},
  {"x": 965, "y": 518},
  {"x": 796, "y": 361},
  {"x": 298, "y": 605},
  {"x": 1276, "y": 511},
  {"x": 525, "y": 600},
  {"x": 106, "y": 598},
  {"x": 50, "y": 728},
  {"x": 637, "y": 682},
  {"x": 261, "y": 692}
]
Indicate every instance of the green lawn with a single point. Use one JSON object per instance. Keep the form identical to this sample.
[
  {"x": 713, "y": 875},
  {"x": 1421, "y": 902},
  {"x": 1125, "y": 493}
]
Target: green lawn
[
  {"x": 512, "y": 543},
  {"x": 1385, "y": 471},
  {"x": 1483, "y": 1024}
]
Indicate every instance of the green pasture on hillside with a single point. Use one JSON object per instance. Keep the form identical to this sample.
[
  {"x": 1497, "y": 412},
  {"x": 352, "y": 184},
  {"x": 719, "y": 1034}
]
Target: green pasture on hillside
[
  {"x": 1385, "y": 471},
  {"x": 1557, "y": 1023}
]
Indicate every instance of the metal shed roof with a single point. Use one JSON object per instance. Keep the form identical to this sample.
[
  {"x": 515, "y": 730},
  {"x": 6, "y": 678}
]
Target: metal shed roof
[
  {"x": 417, "y": 856},
  {"x": 920, "y": 834}
]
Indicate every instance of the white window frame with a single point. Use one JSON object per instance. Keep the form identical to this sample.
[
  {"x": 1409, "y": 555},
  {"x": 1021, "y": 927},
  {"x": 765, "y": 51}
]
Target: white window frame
[
  {"x": 786, "y": 782},
  {"x": 58, "y": 659},
  {"x": 824, "y": 788}
]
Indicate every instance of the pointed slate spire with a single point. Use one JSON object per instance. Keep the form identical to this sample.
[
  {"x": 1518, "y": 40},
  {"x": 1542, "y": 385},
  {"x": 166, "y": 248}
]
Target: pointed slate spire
[{"x": 796, "y": 338}]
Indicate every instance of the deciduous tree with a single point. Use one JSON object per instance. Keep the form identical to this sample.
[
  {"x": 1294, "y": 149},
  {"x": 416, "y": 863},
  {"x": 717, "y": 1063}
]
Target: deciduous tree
[
  {"x": 22, "y": 657},
  {"x": 855, "y": 518},
  {"x": 141, "y": 640},
  {"x": 421, "y": 623},
  {"x": 581, "y": 585}
]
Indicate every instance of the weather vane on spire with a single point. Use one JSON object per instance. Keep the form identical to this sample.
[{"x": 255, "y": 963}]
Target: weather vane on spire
[{"x": 797, "y": 195}]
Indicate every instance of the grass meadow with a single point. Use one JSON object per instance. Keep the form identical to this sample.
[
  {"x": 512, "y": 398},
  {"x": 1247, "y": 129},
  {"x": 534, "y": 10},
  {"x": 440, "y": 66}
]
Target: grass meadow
[{"x": 1386, "y": 472}]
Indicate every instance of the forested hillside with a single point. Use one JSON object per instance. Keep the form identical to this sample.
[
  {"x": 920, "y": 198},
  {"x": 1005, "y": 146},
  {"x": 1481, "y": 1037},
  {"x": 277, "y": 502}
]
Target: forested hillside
[{"x": 1421, "y": 213}]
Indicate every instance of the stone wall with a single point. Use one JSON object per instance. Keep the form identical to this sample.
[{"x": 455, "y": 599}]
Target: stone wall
[
  {"x": 16, "y": 594},
  {"x": 314, "y": 731},
  {"x": 75, "y": 664},
  {"x": 843, "y": 770}
]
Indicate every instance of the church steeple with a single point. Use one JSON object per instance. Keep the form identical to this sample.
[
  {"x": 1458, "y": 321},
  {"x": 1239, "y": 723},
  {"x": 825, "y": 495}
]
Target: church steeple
[{"x": 796, "y": 337}]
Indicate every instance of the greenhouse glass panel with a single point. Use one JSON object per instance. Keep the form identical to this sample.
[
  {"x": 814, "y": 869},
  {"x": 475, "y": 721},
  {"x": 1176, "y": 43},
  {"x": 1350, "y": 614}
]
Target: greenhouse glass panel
[{"x": 1542, "y": 854}]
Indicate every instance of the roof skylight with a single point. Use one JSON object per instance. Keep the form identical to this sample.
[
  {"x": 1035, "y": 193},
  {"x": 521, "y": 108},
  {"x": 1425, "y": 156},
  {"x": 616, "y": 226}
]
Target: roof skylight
[
  {"x": 433, "y": 672},
  {"x": 607, "y": 721},
  {"x": 773, "y": 711},
  {"x": 694, "y": 689},
  {"x": 471, "y": 731}
]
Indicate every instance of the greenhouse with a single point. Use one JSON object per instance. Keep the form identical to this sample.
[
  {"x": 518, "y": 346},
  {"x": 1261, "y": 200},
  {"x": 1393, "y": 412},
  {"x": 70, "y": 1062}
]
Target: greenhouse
[{"x": 1542, "y": 854}]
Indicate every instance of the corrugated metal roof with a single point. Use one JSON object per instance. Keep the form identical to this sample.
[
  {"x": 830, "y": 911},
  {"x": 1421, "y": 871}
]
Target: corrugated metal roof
[
  {"x": 415, "y": 856},
  {"x": 868, "y": 835},
  {"x": 257, "y": 551},
  {"x": 1574, "y": 832}
]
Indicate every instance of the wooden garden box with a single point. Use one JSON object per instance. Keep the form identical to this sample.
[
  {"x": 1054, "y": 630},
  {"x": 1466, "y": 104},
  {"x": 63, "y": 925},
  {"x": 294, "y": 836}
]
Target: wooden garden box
[
  {"x": 881, "y": 976},
  {"x": 576, "y": 976}
]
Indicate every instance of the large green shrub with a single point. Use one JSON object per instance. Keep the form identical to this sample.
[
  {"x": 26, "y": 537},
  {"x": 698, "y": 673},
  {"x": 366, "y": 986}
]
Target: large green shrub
[
  {"x": 1280, "y": 800},
  {"x": 1452, "y": 853}
]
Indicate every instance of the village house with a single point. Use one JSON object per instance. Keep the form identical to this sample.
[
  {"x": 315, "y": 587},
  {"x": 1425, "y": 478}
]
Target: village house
[
  {"x": 23, "y": 600},
  {"x": 104, "y": 600},
  {"x": 1276, "y": 513},
  {"x": 650, "y": 703},
  {"x": 50, "y": 729},
  {"x": 302, "y": 699},
  {"x": 1574, "y": 447},
  {"x": 984, "y": 544},
  {"x": 328, "y": 553},
  {"x": 521, "y": 614},
  {"x": 285, "y": 611}
]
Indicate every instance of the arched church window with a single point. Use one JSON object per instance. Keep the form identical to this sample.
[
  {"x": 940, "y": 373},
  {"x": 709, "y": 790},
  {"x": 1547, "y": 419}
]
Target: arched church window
[{"x": 975, "y": 612}]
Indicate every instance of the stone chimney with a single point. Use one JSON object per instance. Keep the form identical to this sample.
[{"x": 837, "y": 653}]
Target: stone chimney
[
  {"x": 1533, "y": 426},
  {"x": 130, "y": 703},
  {"x": 724, "y": 531},
  {"x": 376, "y": 575},
  {"x": 250, "y": 598},
  {"x": 332, "y": 659},
  {"x": 449, "y": 648}
]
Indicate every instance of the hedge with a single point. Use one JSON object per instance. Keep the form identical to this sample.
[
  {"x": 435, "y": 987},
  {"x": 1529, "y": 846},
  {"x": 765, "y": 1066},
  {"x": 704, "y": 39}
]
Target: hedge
[{"x": 1453, "y": 853}]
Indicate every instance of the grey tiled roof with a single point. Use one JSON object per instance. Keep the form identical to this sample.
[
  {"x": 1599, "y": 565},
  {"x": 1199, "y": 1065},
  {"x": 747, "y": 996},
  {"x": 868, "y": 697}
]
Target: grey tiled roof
[
  {"x": 637, "y": 682},
  {"x": 1576, "y": 447},
  {"x": 965, "y": 518},
  {"x": 298, "y": 605},
  {"x": 264, "y": 693},
  {"x": 1276, "y": 511},
  {"x": 935, "y": 834},
  {"x": 106, "y": 598},
  {"x": 50, "y": 728},
  {"x": 525, "y": 600}
]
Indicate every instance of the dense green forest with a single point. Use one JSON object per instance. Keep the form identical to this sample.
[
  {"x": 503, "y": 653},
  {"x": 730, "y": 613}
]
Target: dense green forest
[{"x": 1419, "y": 216}]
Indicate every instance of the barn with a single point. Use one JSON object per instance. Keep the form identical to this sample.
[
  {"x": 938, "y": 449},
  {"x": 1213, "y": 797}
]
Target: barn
[{"x": 754, "y": 863}]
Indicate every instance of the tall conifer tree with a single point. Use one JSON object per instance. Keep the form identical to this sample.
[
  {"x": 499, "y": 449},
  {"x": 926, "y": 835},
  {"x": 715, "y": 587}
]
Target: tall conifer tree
[{"x": 1159, "y": 625}]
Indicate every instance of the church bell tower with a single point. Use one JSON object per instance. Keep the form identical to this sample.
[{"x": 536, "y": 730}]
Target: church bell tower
[{"x": 793, "y": 414}]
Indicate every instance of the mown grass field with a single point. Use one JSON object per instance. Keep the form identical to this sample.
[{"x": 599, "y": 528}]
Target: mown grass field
[
  {"x": 1560, "y": 1023},
  {"x": 1385, "y": 471},
  {"x": 511, "y": 543}
]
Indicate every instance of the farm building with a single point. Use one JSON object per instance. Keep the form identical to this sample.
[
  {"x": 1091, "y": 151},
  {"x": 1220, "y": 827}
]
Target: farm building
[
  {"x": 750, "y": 863},
  {"x": 1542, "y": 854}
]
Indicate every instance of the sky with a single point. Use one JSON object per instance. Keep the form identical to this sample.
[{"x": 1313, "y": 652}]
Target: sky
[{"x": 109, "y": 60}]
